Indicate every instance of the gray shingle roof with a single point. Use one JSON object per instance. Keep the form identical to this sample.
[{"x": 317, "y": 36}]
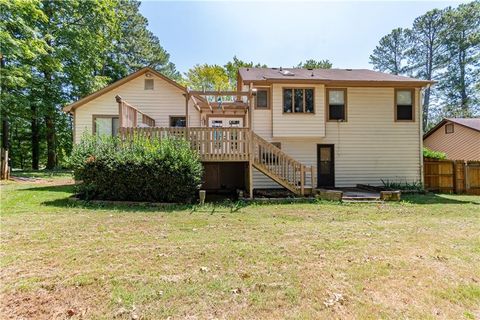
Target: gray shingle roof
[{"x": 272, "y": 74}]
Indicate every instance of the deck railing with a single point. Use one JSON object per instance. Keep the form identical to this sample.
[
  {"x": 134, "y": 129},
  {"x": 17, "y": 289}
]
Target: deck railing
[
  {"x": 131, "y": 116},
  {"x": 236, "y": 144},
  {"x": 284, "y": 169},
  {"x": 213, "y": 144}
]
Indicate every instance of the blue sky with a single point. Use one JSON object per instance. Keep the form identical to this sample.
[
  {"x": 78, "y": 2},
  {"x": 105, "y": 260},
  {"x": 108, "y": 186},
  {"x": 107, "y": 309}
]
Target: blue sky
[{"x": 278, "y": 33}]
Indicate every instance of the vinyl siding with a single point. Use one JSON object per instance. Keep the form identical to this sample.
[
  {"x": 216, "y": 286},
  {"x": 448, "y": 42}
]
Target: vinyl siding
[
  {"x": 298, "y": 124},
  {"x": 369, "y": 147},
  {"x": 462, "y": 144},
  {"x": 162, "y": 102}
]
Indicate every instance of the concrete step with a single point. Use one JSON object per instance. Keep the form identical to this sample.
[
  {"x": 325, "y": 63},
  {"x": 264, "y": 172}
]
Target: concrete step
[
  {"x": 360, "y": 198},
  {"x": 362, "y": 201}
]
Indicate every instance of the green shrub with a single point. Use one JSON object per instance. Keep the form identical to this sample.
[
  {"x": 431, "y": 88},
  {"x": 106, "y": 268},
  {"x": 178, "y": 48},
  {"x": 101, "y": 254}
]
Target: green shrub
[
  {"x": 142, "y": 170},
  {"x": 427, "y": 153},
  {"x": 403, "y": 185}
]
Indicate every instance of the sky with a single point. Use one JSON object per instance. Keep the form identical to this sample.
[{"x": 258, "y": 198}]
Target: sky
[{"x": 278, "y": 33}]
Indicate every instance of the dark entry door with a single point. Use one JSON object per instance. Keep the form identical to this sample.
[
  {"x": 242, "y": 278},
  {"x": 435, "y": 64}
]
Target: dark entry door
[{"x": 325, "y": 166}]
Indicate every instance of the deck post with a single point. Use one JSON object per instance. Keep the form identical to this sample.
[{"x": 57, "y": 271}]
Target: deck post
[
  {"x": 312, "y": 177},
  {"x": 302, "y": 180},
  {"x": 120, "y": 110},
  {"x": 187, "y": 98},
  {"x": 250, "y": 142}
]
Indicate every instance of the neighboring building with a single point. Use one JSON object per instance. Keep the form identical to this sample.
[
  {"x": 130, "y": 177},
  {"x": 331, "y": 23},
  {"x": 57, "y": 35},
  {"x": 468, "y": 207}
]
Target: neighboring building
[
  {"x": 332, "y": 128},
  {"x": 458, "y": 138}
]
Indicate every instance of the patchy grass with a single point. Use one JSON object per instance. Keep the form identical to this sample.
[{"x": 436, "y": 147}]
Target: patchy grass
[{"x": 416, "y": 259}]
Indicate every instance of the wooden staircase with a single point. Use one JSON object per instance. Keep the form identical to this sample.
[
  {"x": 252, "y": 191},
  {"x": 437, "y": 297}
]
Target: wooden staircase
[
  {"x": 280, "y": 167},
  {"x": 235, "y": 144}
]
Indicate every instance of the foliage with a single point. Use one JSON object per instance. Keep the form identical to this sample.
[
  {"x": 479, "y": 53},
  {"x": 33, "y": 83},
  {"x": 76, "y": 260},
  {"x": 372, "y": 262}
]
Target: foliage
[
  {"x": 142, "y": 170},
  {"x": 442, "y": 45},
  {"x": 391, "y": 53},
  {"x": 207, "y": 77},
  {"x": 461, "y": 40},
  {"x": 215, "y": 77},
  {"x": 232, "y": 69},
  {"x": 315, "y": 64},
  {"x": 427, "y": 153},
  {"x": 425, "y": 57},
  {"x": 55, "y": 52},
  {"x": 403, "y": 185}
]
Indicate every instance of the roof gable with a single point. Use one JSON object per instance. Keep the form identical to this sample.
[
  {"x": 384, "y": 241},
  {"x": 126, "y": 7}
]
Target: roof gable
[
  {"x": 71, "y": 107},
  {"x": 470, "y": 123}
]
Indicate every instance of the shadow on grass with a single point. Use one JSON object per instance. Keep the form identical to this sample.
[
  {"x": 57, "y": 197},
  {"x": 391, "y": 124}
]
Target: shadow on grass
[
  {"x": 54, "y": 188},
  {"x": 220, "y": 205},
  {"x": 433, "y": 198}
]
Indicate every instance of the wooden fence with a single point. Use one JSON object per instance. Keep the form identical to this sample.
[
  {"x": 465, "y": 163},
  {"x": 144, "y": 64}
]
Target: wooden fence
[{"x": 452, "y": 176}]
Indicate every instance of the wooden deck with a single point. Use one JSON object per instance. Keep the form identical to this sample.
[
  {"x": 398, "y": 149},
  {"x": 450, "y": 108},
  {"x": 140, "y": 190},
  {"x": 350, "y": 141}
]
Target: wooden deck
[
  {"x": 237, "y": 144},
  {"x": 212, "y": 144}
]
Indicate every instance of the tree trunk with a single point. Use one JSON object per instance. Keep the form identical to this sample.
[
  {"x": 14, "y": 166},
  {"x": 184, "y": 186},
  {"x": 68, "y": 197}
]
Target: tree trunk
[
  {"x": 426, "y": 102},
  {"x": 50, "y": 123},
  {"x": 51, "y": 140},
  {"x": 462, "y": 84},
  {"x": 35, "y": 137}
]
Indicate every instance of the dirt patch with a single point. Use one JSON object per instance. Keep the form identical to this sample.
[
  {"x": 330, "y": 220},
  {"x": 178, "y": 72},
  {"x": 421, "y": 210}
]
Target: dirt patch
[
  {"x": 62, "y": 303},
  {"x": 43, "y": 181}
]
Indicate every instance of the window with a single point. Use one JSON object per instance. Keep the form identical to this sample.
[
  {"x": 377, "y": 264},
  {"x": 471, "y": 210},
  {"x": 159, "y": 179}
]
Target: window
[
  {"x": 449, "y": 128},
  {"x": 404, "y": 107},
  {"x": 262, "y": 99},
  {"x": 298, "y": 100},
  {"x": 148, "y": 84},
  {"x": 337, "y": 104},
  {"x": 178, "y": 121},
  {"x": 105, "y": 125}
]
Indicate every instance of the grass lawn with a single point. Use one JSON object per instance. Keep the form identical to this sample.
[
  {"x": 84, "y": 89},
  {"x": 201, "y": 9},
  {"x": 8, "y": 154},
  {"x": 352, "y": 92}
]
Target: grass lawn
[{"x": 416, "y": 259}]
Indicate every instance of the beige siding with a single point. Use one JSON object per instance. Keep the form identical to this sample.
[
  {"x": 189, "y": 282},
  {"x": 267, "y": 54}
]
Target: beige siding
[
  {"x": 462, "y": 144},
  {"x": 298, "y": 124},
  {"x": 369, "y": 147},
  {"x": 162, "y": 102}
]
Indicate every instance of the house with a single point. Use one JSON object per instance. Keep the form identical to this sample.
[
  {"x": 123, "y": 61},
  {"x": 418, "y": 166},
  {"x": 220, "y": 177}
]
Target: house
[
  {"x": 458, "y": 138},
  {"x": 299, "y": 129}
]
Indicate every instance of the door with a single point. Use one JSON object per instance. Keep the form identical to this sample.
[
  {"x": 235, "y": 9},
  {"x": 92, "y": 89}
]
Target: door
[{"x": 325, "y": 165}]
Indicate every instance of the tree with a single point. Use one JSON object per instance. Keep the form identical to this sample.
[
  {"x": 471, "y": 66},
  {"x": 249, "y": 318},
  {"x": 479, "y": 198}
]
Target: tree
[
  {"x": 425, "y": 58},
  {"x": 442, "y": 45},
  {"x": 135, "y": 46},
  {"x": 207, "y": 77},
  {"x": 232, "y": 67},
  {"x": 314, "y": 64},
  {"x": 461, "y": 39},
  {"x": 390, "y": 54},
  {"x": 55, "y": 52},
  {"x": 21, "y": 44}
]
